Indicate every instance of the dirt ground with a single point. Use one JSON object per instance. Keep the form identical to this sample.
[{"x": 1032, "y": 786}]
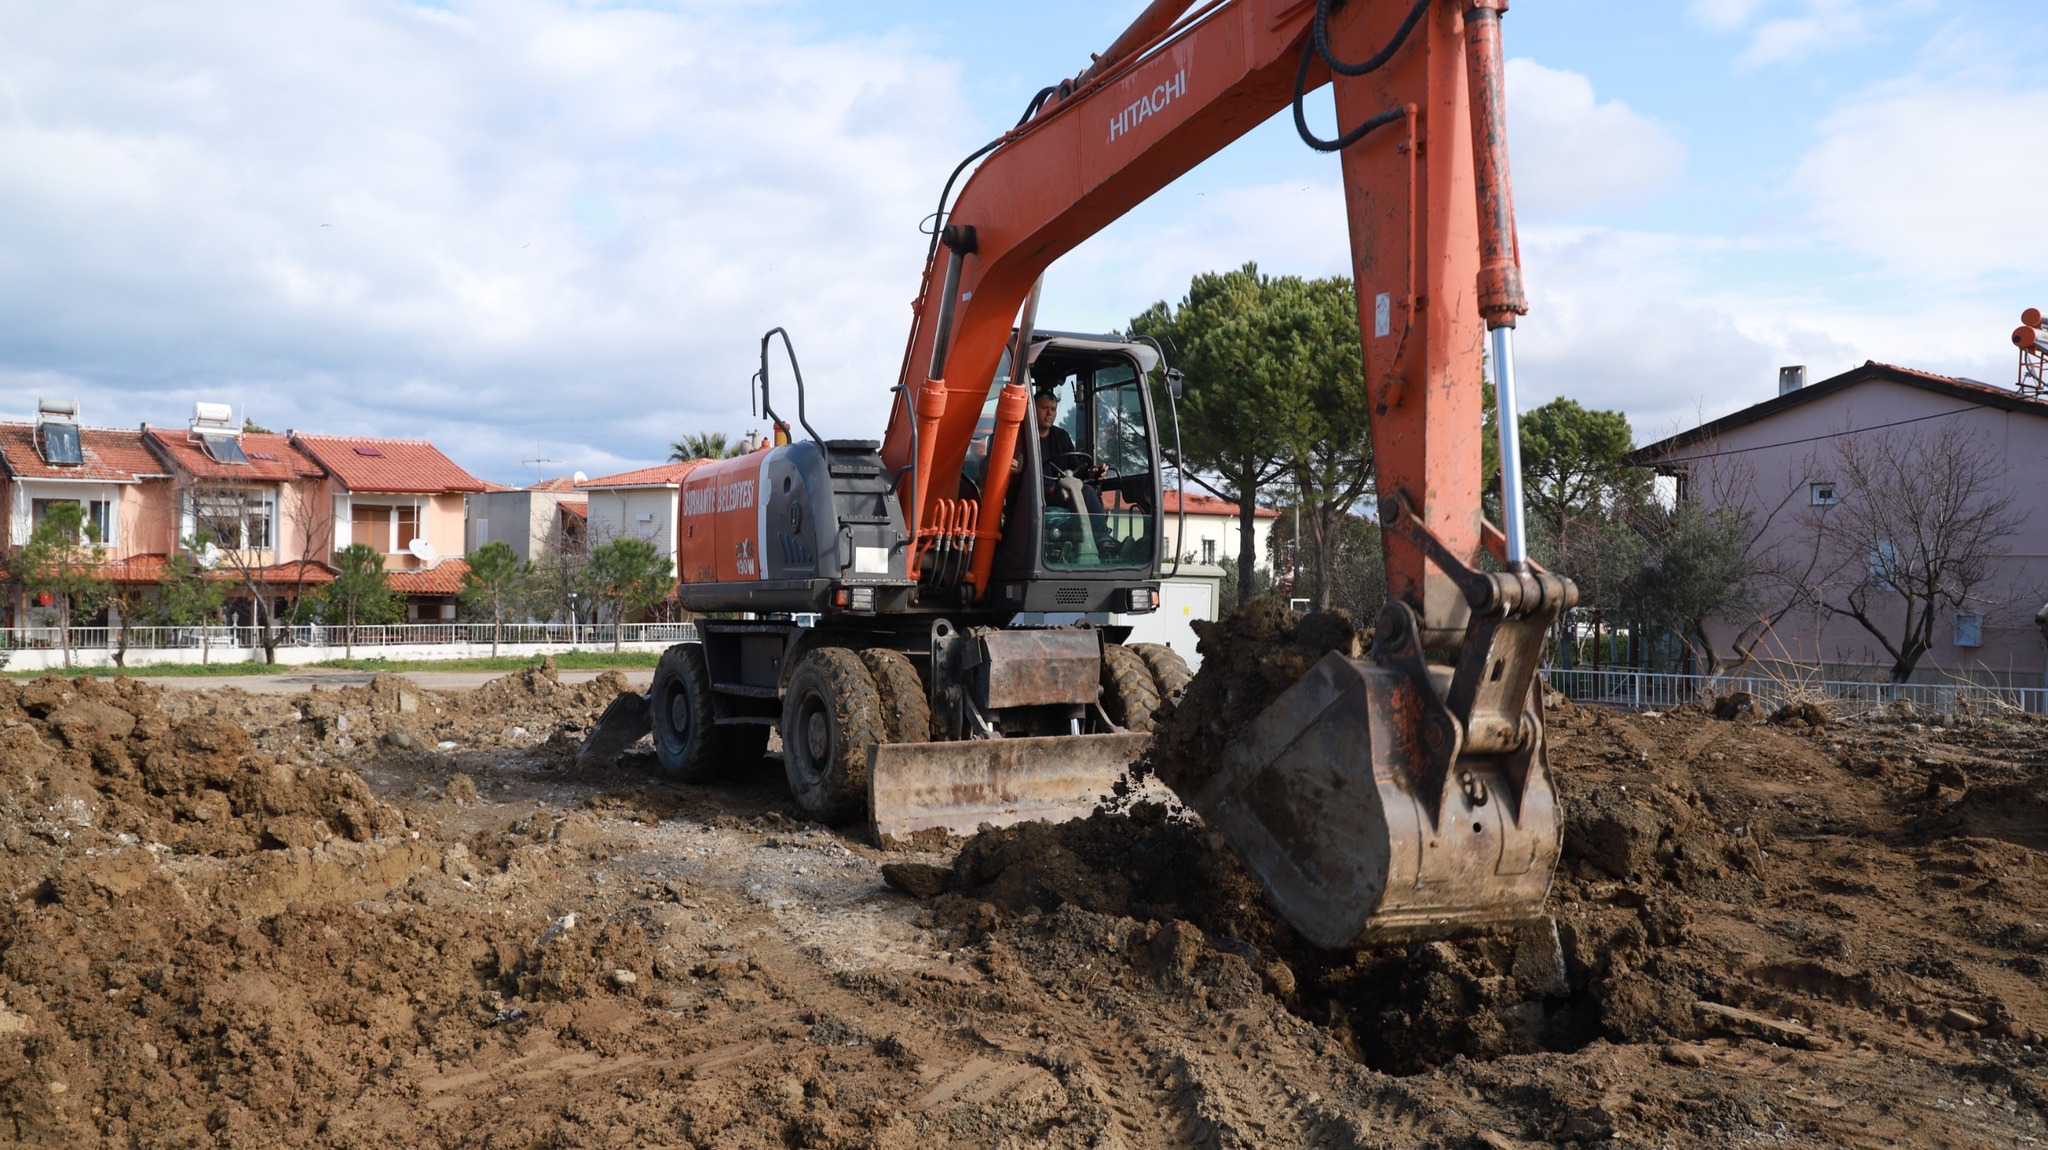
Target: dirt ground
[{"x": 385, "y": 915}]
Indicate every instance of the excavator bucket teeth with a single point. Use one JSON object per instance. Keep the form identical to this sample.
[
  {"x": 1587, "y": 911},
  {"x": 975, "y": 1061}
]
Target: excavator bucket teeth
[
  {"x": 1321, "y": 796},
  {"x": 958, "y": 787},
  {"x": 622, "y": 724}
]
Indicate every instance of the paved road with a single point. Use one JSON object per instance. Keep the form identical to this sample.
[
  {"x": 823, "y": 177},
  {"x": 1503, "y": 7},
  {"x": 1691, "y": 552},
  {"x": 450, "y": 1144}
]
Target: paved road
[{"x": 292, "y": 682}]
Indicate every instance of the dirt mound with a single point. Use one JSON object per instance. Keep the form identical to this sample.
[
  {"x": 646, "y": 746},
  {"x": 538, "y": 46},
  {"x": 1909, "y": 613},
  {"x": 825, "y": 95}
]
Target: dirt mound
[
  {"x": 1247, "y": 660},
  {"x": 531, "y": 708},
  {"x": 97, "y": 765}
]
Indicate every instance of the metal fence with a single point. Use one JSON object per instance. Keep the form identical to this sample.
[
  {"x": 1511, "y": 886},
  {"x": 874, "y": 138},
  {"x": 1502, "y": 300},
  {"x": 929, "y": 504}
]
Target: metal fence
[
  {"x": 594, "y": 635},
  {"x": 1656, "y": 690}
]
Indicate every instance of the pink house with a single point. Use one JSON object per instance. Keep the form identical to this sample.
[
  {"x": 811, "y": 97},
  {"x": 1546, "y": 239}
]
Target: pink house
[{"x": 1794, "y": 463}]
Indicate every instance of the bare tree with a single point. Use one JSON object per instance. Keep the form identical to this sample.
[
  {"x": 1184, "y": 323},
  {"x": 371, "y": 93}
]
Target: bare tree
[
  {"x": 1778, "y": 569},
  {"x": 1917, "y": 524},
  {"x": 242, "y": 522},
  {"x": 556, "y": 572}
]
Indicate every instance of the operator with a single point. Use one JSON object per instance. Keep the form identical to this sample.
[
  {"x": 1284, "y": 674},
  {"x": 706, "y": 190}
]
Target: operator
[{"x": 1056, "y": 455}]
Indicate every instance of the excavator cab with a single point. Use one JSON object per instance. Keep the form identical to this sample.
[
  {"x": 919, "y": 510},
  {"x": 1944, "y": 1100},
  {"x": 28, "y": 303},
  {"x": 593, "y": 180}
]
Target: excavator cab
[{"x": 1081, "y": 523}]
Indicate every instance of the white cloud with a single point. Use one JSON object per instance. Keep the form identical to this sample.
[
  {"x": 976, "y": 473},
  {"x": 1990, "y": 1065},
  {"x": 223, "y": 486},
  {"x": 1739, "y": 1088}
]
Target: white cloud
[
  {"x": 1940, "y": 184},
  {"x": 1573, "y": 151},
  {"x": 1725, "y": 15},
  {"x": 495, "y": 225}
]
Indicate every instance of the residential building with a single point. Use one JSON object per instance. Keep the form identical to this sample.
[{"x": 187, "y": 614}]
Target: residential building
[
  {"x": 1212, "y": 529},
  {"x": 250, "y": 505},
  {"x": 530, "y": 520},
  {"x": 646, "y": 504},
  {"x": 405, "y": 499},
  {"x": 1787, "y": 462},
  {"x": 123, "y": 487}
]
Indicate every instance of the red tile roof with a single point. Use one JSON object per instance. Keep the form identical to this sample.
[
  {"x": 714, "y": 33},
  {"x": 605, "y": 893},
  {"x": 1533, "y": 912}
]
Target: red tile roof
[
  {"x": 1205, "y": 505},
  {"x": 272, "y": 458},
  {"x": 563, "y": 483},
  {"x": 666, "y": 475},
  {"x": 136, "y": 569},
  {"x": 110, "y": 456},
  {"x": 444, "y": 578},
  {"x": 409, "y": 466},
  {"x": 298, "y": 571},
  {"x": 580, "y": 509}
]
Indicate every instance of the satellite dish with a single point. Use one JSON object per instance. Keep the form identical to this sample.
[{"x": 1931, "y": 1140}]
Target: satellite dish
[
  {"x": 580, "y": 478},
  {"x": 421, "y": 550}
]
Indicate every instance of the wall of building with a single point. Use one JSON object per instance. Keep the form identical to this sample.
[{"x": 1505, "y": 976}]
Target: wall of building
[
  {"x": 523, "y": 520},
  {"x": 1219, "y": 530},
  {"x": 643, "y": 512}
]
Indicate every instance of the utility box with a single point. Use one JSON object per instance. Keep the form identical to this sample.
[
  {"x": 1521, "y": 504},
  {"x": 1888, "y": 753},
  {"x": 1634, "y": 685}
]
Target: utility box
[{"x": 1188, "y": 594}]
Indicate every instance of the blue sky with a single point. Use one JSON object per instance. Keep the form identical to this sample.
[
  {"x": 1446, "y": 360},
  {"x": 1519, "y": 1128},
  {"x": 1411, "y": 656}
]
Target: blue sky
[{"x": 544, "y": 229}]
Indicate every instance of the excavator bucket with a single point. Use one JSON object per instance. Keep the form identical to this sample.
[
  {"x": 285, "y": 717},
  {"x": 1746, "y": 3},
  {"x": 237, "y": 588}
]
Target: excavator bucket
[
  {"x": 624, "y": 722},
  {"x": 1327, "y": 798},
  {"x": 960, "y": 786}
]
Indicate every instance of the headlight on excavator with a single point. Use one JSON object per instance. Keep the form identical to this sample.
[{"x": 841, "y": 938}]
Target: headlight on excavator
[
  {"x": 860, "y": 599},
  {"x": 1142, "y": 601}
]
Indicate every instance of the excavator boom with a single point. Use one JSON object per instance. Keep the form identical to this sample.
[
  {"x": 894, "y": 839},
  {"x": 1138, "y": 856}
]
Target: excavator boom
[{"x": 1386, "y": 797}]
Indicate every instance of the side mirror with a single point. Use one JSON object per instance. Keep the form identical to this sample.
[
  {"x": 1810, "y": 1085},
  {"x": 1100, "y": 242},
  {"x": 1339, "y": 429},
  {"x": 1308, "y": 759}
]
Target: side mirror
[{"x": 1176, "y": 384}]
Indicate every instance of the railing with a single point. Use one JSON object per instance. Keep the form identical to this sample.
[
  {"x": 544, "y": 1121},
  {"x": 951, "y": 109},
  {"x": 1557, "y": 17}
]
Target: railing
[
  {"x": 1656, "y": 690},
  {"x": 385, "y": 635}
]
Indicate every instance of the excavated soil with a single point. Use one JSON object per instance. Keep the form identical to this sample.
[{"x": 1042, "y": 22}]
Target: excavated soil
[{"x": 387, "y": 915}]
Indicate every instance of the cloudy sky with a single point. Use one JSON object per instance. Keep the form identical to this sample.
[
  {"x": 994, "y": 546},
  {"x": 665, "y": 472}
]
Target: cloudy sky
[{"x": 543, "y": 229}]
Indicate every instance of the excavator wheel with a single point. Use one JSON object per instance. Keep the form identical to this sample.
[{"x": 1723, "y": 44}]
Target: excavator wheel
[
  {"x": 689, "y": 746},
  {"x": 831, "y": 714},
  {"x": 906, "y": 712},
  {"x": 1128, "y": 692},
  {"x": 1169, "y": 671}
]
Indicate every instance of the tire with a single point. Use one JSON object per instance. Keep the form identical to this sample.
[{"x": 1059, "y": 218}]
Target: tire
[
  {"x": 906, "y": 711},
  {"x": 688, "y": 743},
  {"x": 1128, "y": 692},
  {"x": 1169, "y": 671},
  {"x": 831, "y": 715}
]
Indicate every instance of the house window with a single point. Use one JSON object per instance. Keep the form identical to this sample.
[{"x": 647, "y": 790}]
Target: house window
[
  {"x": 1884, "y": 563},
  {"x": 1209, "y": 552},
  {"x": 372, "y": 526},
  {"x": 387, "y": 530},
  {"x": 234, "y": 520},
  {"x": 1822, "y": 494},
  {"x": 99, "y": 516},
  {"x": 1969, "y": 630}
]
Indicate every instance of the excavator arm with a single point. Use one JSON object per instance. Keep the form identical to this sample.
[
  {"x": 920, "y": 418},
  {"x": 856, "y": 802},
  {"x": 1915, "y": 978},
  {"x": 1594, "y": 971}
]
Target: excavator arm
[{"x": 1387, "y": 797}]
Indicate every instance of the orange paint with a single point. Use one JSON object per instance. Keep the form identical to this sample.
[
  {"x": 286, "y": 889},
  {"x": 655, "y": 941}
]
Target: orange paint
[{"x": 721, "y": 521}]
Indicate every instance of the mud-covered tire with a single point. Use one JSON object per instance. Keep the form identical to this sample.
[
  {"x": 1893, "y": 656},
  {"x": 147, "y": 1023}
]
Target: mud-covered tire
[
  {"x": 688, "y": 744},
  {"x": 1169, "y": 671},
  {"x": 1128, "y": 692},
  {"x": 906, "y": 710},
  {"x": 831, "y": 715}
]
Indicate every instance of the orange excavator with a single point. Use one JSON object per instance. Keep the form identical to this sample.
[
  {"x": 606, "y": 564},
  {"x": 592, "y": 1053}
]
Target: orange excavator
[{"x": 878, "y": 584}]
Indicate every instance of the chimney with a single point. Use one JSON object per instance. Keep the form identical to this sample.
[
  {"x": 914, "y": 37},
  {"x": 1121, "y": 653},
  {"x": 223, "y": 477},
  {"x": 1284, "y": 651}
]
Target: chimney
[{"x": 1791, "y": 379}]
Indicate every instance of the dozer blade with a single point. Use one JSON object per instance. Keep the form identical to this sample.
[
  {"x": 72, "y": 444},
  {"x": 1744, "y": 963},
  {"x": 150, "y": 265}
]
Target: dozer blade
[
  {"x": 622, "y": 724},
  {"x": 1326, "y": 797},
  {"x": 959, "y": 786}
]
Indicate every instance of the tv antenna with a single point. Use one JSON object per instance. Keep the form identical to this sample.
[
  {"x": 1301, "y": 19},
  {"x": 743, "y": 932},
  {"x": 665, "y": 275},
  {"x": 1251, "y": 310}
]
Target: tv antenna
[{"x": 536, "y": 464}]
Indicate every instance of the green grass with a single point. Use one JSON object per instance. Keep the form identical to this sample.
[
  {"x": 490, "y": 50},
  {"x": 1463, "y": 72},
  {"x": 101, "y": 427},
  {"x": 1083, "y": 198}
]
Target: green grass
[{"x": 566, "y": 661}]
